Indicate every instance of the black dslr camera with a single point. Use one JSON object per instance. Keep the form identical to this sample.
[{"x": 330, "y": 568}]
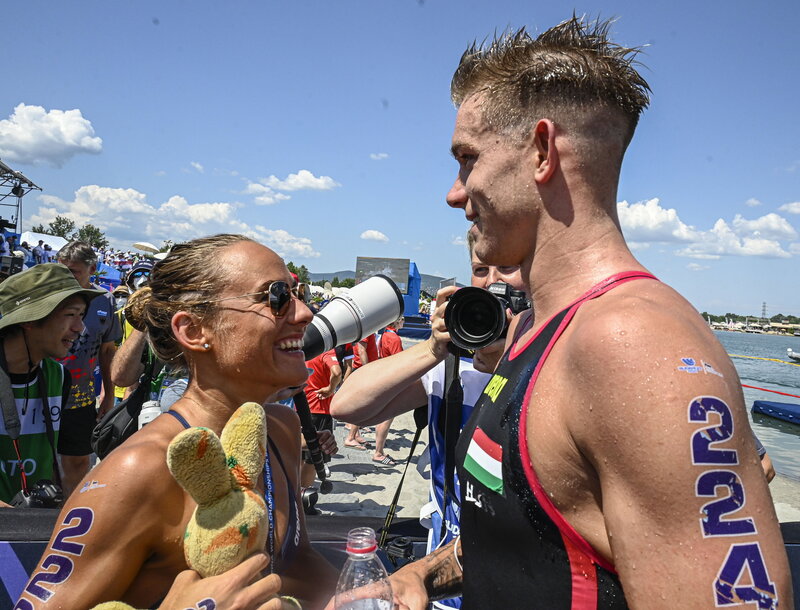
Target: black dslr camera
[
  {"x": 42, "y": 494},
  {"x": 476, "y": 317}
]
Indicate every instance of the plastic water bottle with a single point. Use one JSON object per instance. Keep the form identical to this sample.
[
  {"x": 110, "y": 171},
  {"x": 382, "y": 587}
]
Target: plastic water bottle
[
  {"x": 363, "y": 569},
  {"x": 150, "y": 410}
]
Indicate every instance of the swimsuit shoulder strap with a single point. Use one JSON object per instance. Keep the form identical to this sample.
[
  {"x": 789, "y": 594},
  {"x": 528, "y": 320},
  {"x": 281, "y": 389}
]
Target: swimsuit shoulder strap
[{"x": 179, "y": 417}]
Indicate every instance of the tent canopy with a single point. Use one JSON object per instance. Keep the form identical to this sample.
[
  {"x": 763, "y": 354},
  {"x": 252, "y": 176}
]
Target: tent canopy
[{"x": 54, "y": 241}]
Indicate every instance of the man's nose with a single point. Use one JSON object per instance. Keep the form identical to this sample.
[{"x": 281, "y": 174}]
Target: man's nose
[
  {"x": 457, "y": 196},
  {"x": 492, "y": 277}
]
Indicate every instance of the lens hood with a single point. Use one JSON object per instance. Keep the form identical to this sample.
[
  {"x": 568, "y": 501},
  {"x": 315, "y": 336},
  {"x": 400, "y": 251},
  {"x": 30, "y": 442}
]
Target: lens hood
[{"x": 475, "y": 318}]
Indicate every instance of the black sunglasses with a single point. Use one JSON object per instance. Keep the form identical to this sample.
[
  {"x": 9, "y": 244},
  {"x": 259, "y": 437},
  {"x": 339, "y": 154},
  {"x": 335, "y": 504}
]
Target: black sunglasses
[{"x": 278, "y": 294}]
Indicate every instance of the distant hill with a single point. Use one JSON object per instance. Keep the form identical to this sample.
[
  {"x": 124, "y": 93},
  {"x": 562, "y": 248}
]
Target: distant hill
[{"x": 429, "y": 283}]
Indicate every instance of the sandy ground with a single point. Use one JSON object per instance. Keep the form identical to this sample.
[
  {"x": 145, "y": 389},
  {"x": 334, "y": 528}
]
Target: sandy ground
[{"x": 361, "y": 487}]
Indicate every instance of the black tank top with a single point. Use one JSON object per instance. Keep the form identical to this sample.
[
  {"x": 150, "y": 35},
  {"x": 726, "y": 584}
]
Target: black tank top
[{"x": 518, "y": 550}]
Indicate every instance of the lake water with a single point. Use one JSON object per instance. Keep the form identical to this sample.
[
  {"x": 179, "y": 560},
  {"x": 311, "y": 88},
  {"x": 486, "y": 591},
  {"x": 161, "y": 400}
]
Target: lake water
[{"x": 781, "y": 439}]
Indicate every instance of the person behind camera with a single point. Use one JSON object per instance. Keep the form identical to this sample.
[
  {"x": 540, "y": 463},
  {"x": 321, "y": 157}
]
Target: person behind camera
[
  {"x": 41, "y": 315},
  {"x": 417, "y": 376},
  {"x": 223, "y": 307}
]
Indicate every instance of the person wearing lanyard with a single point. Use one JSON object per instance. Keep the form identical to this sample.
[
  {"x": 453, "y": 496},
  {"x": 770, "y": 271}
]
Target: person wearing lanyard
[
  {"x": 224, "y": 308},
  {"x": 41, "y": 315}
]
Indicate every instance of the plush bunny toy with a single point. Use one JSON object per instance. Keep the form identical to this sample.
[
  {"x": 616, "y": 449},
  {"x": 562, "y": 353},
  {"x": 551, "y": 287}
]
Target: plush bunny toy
[{"x": 230, "y": 521}]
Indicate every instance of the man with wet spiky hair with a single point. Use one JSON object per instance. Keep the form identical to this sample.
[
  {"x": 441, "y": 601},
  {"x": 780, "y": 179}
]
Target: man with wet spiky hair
[{"x": 609, "y": 462}]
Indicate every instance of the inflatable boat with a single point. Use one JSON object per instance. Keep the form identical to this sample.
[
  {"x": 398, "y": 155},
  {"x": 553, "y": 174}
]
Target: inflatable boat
[{"x": 785, "y": 411}]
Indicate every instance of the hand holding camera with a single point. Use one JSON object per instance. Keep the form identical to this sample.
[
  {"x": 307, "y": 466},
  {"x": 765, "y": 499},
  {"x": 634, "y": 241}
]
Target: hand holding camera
[
  {"x": 476, "y": 318},
  {"x": 439, "y": 340}
]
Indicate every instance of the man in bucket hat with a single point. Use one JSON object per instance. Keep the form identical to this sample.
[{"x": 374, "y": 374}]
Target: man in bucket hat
[
  {"x": 94, "y": 349},
  {"x": 41, "y": 315}
]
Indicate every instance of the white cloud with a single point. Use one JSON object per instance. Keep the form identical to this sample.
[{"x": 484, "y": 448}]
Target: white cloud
[
  {"x": 35, "y": 136},
  {"x": 263, "y": 194},
  {"x": 752, "y": 202},
  {"x": 197, "y": 166},
  {"x": 373, "y": 235},
  {"x": 126, "y": 216},
  {"x": 697, "y": 267},
  {"x": 266, "y": 189},
  {"x": 770, "y": 226},
  {"x": 286, "y": 244},
  {"x": 722, "y": 240},
  {"x": 791, "y": 208},
  {"x": 378, "y": 156},
  {"x": 458, "y": 240},
  {"x": 302, "y": 180},
  {"x": 160, "y": 172},
  {"x": 647, "y": 221}
]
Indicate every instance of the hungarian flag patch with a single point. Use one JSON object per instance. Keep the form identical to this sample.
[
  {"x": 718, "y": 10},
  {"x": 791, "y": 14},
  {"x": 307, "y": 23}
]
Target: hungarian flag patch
[{"x": 484, "y": 461}]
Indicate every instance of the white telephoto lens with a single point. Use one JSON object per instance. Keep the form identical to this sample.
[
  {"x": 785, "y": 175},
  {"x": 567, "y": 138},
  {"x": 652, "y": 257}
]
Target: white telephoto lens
[{"x": 350, "y": 317}]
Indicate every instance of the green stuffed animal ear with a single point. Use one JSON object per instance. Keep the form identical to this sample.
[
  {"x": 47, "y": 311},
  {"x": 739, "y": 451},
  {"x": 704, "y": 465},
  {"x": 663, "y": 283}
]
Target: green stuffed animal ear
[
  {"x": 244, "y": 440},
  {"x": 197, "y": 461}
]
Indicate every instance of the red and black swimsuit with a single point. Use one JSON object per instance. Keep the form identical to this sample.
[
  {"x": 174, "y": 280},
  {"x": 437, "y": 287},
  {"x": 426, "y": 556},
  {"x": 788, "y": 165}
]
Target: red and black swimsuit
[{"x": 518, "y": 550}]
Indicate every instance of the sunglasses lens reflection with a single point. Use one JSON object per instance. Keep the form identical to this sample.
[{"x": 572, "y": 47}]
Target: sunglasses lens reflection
[
  {"x": 279, "y": 298},
  {"x": 303, "y": 293}
]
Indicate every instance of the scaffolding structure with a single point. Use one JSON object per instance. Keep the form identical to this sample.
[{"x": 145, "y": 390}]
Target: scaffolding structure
[{"x": 14, "y": 185}]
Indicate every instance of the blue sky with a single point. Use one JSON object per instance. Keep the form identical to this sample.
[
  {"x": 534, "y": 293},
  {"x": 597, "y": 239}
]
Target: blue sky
[{"x": 323, "y": 128}]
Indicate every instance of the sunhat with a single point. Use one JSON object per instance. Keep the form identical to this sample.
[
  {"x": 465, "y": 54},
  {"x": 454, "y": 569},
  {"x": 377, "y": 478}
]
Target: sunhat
[{"x": 35, "y": 293}]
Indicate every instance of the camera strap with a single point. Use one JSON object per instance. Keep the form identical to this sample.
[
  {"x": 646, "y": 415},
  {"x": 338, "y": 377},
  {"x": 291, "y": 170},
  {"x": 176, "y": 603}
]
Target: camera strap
[
  {"x": 48, "y": 421},
  {"x": 450, "y": 425},
  {"x": 421, "y": 420},
  {"x": 9, "y": 404}
]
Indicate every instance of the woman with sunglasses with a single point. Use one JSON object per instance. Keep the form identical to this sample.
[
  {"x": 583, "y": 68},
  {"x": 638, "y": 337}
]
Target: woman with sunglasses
[{"x": 225, "y": 309}]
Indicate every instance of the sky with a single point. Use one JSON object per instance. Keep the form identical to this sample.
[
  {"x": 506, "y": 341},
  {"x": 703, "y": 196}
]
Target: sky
[{"x": 322, "y": 128}]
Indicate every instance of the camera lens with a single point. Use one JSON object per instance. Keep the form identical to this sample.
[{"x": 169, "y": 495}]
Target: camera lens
[{"x": 474, "y": 318}]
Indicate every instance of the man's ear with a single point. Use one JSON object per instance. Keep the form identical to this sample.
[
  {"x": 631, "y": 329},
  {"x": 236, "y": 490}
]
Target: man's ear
[
  {"x": 546, "y": 155},
  {"x": 189, "y": 331}
]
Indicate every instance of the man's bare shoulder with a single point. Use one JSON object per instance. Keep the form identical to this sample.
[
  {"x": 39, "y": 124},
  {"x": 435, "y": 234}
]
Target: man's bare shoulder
[
  {"x": 638, "y": 319},
  {"x": 643, "y": 341}
]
